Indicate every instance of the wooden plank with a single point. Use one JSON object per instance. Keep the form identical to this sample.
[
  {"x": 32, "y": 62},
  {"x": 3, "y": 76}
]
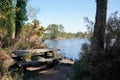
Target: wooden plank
[
  {"x": 32, "y": 64},
  {"x": 51, "y": 59},
  {"x": 38, "y": 63},
  {"x": 23, "y": 52},
  {"x": 19, "y": 59},
  {"x": 38, "y": 54}
]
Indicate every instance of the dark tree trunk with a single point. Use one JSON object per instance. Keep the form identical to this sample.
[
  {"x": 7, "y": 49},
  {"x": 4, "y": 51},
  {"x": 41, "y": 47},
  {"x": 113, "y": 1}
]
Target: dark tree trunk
[{"x": 100, "y": 24}]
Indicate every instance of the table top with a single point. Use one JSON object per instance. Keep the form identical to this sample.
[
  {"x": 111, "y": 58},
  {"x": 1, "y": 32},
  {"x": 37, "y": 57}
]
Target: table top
[{"x": 22, "y": 52}]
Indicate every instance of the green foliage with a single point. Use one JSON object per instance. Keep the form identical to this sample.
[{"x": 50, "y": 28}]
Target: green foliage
[
  {"x": 30, "y": 36},
  {"x": 54, "y": 30},
  {"x": 90, "y": 27},
  {"x": 83, "y": 69},
  {"x": 36, "y": 23},
  {"x": 1, "y": 69},
  {"x": 21, "y": 15},
  {"x": 82, "y": 35},
  {"x": 6, "y": 22},
  {"x": 113, "y": 30}
]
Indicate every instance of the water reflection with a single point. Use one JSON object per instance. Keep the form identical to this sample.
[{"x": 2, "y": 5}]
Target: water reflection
[{"x": 69, "y": 47}]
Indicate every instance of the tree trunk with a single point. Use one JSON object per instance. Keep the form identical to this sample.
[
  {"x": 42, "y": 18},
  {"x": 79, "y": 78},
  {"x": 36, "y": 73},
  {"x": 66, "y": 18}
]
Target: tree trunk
[{"x": 100, "y": 24}]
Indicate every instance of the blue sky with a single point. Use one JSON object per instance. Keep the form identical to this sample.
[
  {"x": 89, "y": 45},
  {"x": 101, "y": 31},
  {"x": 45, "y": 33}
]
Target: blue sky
[{"x": 69, "y": 13}]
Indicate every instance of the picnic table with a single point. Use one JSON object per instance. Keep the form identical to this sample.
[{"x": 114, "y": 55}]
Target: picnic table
[{"x": 21, "y": 61}]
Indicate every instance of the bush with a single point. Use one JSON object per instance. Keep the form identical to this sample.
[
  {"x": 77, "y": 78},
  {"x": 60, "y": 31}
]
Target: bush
[
  {"x": 103, "y": 65},
  {"x": 1, "y": 69},
  {"x": 83, "y": 69}
]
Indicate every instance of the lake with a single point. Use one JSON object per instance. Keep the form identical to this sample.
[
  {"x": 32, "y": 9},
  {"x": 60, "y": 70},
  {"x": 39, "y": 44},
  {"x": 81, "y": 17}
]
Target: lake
[{"x": 69, "y": 47}]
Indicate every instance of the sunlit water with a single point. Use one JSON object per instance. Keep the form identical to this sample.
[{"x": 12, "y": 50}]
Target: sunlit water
[{"x": 69, "y": 48}]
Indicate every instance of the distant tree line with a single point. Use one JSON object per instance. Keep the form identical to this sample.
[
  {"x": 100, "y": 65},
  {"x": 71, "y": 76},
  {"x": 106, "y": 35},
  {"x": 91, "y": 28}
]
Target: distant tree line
[{"x": 55, "y": 31}]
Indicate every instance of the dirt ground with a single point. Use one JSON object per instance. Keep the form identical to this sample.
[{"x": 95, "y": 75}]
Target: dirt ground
[{"x": 62, "y": 71}]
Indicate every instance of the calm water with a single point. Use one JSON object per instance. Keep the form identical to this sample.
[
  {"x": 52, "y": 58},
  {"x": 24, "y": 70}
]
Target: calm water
[{"x": 69, "y": 47}]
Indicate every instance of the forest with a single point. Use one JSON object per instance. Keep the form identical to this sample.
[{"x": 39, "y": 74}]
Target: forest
[{"x": 99, "y": 60}]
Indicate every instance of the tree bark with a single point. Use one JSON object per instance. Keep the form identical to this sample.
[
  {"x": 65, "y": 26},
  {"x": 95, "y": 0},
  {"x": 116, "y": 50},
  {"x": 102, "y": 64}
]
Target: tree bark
[{"x": 100, "y": 25}]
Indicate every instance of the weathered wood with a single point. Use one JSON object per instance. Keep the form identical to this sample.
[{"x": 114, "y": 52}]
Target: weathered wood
[
  {"x": 38, "y": 54},
  {"x": 39, "y": 62},
  {"x": 32, "y": 64},
  {"x": 23, "y": 52},
  {"x": 51, "y": 59},
  {"x": 19, "y": 59},
  {"x": 35, "y": 52},
  {"x": 34, "y": 55}
]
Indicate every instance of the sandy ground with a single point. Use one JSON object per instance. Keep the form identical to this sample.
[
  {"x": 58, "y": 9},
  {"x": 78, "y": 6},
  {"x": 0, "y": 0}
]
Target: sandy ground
[{"x": 62, "y": 71}]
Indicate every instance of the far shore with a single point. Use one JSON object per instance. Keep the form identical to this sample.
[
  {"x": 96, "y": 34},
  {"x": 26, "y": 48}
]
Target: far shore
[{"x": 65, "y": 38}]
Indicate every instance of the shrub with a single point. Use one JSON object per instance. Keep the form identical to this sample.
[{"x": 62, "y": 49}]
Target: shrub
[{"x": 83, "y": 68}]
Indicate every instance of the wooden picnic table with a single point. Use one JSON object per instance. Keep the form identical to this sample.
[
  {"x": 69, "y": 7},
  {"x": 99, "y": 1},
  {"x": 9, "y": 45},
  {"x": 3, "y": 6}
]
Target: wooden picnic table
[{"x": 35, "y": 52}]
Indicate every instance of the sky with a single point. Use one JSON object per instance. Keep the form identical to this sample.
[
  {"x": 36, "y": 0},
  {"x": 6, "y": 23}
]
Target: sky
[{"x": 69, "y": 13}]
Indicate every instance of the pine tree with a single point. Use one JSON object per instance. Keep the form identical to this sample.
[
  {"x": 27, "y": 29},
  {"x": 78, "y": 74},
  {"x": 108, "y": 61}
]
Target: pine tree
[{"x": 21, "y": 15}]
